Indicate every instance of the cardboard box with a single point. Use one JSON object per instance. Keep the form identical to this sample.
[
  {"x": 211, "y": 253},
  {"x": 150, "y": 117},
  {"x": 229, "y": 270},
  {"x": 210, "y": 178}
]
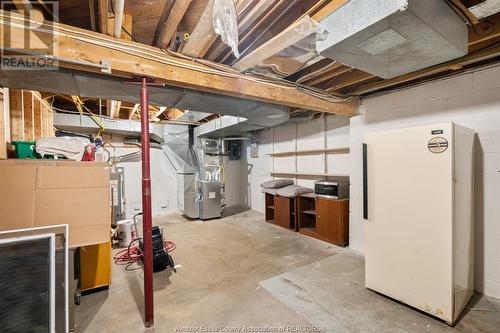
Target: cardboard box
[{"x": 42, "y": 193}]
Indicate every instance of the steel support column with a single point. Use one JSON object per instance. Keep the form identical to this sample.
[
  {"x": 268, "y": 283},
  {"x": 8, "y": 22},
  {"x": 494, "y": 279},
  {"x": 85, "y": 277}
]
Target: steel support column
[{"x": 146, "y": 209}]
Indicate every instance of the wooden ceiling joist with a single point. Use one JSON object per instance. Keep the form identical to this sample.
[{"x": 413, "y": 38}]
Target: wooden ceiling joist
[
  {"x": 103, "y": 16},
  {"x": 203, "y": 34},
  {"x": 23, "y": 6},
  {"x": 353, "y": 77},
  {"x": 134, "y": 111},
  {"x": 310, "y": 71},
  {"x": 334, "y": 71},
  {"x": 278, "y": 18},
  {"x": 248, "y": 11},
  {"x": 130, "y": 59},
  {"x": 254, "y": 12},
  {"x": 113, "y": 108},
  {"x": 168, "y": 26},
  {"x": 293, "y": 34},
  {"x": 485, "y": 32},
  {"x": 463, "y": 11},
  {"x": 329, "y": 8}
]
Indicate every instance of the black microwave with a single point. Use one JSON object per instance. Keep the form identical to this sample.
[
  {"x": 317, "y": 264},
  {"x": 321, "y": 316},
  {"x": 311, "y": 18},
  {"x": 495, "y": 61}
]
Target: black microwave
[{"x": 331, "y": 189}]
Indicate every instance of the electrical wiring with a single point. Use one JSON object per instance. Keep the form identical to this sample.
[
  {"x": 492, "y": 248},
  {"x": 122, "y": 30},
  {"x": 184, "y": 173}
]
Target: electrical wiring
[
  {"x": 152, "y": 54},
  {"x": 133, "y": 253},
  {"x": 96, "y": 119}
]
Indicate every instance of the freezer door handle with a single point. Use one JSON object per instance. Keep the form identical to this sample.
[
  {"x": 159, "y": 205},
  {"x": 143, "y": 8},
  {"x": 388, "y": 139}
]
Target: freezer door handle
[{"x": 365, "y": 181}]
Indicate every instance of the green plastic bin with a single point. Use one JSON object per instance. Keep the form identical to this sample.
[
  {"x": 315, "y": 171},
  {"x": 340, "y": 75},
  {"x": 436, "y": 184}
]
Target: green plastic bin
[{"x": 25, "y": 149}]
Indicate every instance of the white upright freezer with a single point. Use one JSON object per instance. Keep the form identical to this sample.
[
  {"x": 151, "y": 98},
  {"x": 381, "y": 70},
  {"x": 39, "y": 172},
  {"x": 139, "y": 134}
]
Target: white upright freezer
[{"x": 418, "y": 211}]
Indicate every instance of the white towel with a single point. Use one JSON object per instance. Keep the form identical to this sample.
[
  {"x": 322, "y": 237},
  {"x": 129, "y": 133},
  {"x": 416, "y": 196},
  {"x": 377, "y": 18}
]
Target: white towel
[{"x": 67, "y": 146}]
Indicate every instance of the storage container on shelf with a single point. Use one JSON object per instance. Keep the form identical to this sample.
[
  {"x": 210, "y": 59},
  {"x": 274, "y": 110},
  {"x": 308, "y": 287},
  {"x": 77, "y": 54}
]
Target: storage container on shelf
[{"x": 25, "y": 149}]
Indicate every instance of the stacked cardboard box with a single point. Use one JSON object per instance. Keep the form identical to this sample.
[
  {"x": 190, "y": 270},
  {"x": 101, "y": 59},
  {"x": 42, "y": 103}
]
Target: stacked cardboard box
[{"x": 41, "y": 193}]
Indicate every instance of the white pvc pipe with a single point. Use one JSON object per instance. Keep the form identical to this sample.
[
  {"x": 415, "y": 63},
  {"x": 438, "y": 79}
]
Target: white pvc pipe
[{"x": 119, "y": 6}]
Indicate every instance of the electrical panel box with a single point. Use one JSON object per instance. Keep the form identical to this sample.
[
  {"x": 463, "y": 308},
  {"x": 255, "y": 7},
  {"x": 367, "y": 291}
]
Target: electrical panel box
[{"x": 234, "y": 150}]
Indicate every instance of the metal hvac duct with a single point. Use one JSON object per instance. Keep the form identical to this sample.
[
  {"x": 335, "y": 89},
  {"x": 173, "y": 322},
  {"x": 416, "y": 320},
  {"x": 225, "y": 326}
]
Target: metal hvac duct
[{"x": 388, "y": 38}]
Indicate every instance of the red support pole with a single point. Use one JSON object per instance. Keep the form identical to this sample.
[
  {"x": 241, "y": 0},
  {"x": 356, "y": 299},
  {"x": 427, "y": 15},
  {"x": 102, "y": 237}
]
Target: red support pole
[{"x": 146, "y": 209}]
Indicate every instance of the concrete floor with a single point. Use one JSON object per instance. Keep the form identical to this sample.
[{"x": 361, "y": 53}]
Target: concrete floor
[{"x": 242, "y": 272}]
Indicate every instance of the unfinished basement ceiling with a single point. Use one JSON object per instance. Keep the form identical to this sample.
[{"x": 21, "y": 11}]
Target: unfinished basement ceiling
[
  {"x": 267, "y": 27},
  {"x": 250, "y": 115},
  {"x": 261, "y": 20}
]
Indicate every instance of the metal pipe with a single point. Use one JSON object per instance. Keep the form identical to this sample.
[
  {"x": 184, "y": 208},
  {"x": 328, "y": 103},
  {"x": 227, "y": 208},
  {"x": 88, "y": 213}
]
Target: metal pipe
[
  {"x": 119, "y": 7},
  {"x": 146, "y": 209}
]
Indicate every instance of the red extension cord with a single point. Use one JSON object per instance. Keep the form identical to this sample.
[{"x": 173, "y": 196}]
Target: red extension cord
[{"x": 133, "y": 253}]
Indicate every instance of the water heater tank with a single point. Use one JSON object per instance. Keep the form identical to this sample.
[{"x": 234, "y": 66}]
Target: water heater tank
[{"x": 388, "y": 38}]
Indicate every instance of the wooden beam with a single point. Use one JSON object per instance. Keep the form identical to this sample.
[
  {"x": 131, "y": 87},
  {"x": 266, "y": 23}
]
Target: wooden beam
[
  {"x": 293, "y": 34},
  {"x": 203, "y": 36},
  {"x": 103, "y": 16},
  {"x": 253, "y": 13},
  {"x": 311, "y": 70},
  {"x": 248, "y": 11},
  {"x": 199, "y": 40},
  {"x": 92, "y": 15},
  {"x": 168, "y": 27},
  {"x": 277, "y": 19},
  {"x": 329, "y": 8},
  {"x": 131, "y": 59},
  {"x": 16, "y": 114},
  {"x": 355, "y": 76},
  {"x": 484, "y": 32},
  {"x": 281, "y": 65},
  {"x": 23, "y": 6},
  {"x": 159, "y": 112},
  {"x": 28, "y": 116},
  {"x": 113, "y": 108},
  {"x": 334, "y": 71},
  {"x": 174, "y": 113},
  {"x": 485, "y": 9},
  {"x": 37, "y": 118},
  {"x": 47, "y": 121},
  {"x": 50, "y": 123},
  {"x": 134, "y": 111},
  {"x": 463, "y": 11}
]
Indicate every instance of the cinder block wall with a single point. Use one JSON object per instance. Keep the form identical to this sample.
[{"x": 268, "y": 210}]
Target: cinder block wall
[
  {"x": 471, "y": 100},
  {"x": 329, "y": 132}
]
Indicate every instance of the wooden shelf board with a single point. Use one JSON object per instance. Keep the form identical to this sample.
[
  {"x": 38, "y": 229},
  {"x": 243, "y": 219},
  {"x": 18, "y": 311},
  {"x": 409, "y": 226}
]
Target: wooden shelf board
[
  {"x": 308, "y": 231},
  {"x": 341, "y": 150},
  {"x": 309, "y": 212}
]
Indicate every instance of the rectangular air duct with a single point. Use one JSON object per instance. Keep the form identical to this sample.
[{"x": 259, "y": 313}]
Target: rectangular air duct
[{"x": 388, "y": 38}]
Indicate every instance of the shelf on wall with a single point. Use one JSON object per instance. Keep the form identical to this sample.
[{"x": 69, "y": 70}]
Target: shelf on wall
[{"x": 341, "y": 150}]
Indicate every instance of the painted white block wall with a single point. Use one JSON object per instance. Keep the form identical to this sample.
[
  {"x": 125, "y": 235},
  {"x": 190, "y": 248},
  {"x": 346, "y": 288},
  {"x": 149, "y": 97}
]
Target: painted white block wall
[
  {"x": 315, "y": 134},
  {"x": 471, "y": 100}
]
